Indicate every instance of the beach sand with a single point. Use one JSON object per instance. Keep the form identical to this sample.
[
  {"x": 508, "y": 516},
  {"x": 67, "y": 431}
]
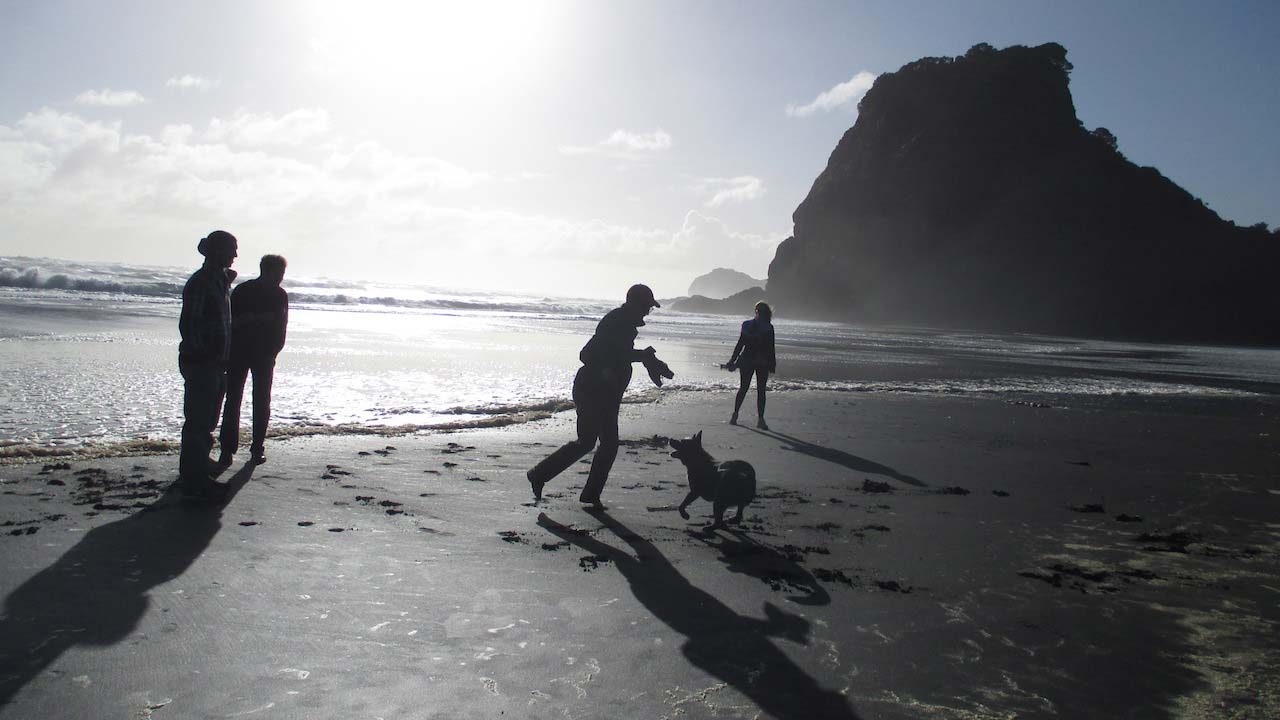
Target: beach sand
[{"x": 907, "y": 556}]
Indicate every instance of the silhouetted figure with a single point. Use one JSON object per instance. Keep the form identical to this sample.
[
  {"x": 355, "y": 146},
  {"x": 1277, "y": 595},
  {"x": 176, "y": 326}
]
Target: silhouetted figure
[
  {"x": 259, "y": 318},
  {"x": 205, "y": 325},
  {"x": 597, "y": 393},
  {"x": 725, "y": 484},
  {"x": 754, "y": 354}
]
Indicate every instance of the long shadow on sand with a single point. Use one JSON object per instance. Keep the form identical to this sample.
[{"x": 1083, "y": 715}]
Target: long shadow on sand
[
  {"x": 744, "y": 555},
  {"x": 732, "y": 647},
  {"x": 96, "y": 593},
  {"x": 839, "y": 457}
]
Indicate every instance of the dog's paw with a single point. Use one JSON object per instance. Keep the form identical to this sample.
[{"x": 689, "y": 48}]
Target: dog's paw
[{"x": 684, "y": 513}]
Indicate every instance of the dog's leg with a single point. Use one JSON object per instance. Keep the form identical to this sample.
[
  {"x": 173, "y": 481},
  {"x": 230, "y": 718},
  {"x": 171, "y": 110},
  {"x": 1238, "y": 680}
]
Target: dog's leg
[
  {"x": 738, "y": 518},
  {"x": 687, "y": 499},
  {"x": 719, "y": 509}
]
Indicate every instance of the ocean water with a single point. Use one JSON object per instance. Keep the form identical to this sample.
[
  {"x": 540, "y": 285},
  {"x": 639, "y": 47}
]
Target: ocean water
[{"x": 88, "y": 359}]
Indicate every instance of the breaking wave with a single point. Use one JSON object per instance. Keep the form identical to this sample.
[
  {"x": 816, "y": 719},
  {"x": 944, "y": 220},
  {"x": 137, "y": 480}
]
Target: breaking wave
[{"x": 316, "y": 293}]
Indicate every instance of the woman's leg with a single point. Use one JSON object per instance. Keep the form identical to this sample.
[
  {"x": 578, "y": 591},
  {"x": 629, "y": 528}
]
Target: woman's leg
[
  {"x": 744, "y": 375},
  {"x": 762, "y": 378}
]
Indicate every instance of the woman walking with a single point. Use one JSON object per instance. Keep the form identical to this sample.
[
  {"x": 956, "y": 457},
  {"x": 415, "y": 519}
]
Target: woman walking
[{"x": 754, "y": 354}]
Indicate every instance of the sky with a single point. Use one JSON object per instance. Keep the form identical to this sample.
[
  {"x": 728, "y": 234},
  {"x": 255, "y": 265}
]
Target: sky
[{"x": 564, "y": 147}]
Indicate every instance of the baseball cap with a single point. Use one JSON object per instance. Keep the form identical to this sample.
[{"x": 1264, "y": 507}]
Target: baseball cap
[{"x": 640, "y": 295}]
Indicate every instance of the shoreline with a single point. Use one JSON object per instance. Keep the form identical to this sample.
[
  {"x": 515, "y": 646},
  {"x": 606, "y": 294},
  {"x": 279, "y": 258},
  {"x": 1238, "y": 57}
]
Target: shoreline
[
  {"x": 18, "y": 453},
  {"x": 905, "y": 557}
]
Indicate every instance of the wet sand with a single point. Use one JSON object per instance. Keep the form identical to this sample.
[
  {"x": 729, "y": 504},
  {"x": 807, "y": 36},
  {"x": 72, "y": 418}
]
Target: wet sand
[{"x": 907, "y": 556}]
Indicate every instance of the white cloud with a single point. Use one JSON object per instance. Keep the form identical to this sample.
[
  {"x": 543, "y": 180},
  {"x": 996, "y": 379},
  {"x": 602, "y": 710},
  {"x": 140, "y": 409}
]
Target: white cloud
[
  {"x": 624, "y": 144},
  {"x": 704, "y": 242},
  {"x": 332, "y": 205},
  {"x": 845, "y": 93},
  {"x": 189, "y": 82},
  {"x": 110, "y": 98},
  {"x": 299, "y": 127},
  {"x": 735, "y": 189}
]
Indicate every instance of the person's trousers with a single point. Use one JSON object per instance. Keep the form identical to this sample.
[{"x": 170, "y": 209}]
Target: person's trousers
[
  {"x": 597, "y": 408},
  {"x": 203, "y": 386},
  {"x": 263, "y": 372}
]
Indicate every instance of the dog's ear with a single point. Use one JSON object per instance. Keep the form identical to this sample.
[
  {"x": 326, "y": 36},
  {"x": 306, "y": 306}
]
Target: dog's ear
[{"x": 698, "y": 438}]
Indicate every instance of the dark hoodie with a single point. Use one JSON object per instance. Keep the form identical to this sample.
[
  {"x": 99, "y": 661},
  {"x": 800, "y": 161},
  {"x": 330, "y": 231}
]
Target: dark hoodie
[
  {"x": 205, "y": 322},
  {"x": 610, "y": 352}
]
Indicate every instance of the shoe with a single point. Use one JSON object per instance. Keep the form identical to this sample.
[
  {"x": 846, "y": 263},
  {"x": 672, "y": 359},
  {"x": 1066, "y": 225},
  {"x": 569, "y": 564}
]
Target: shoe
[
  {"x": 537, "y": 486},
  {"x": 259, "y": 457},
  {"x": 733, "y": 419},
  {"x": 762, "y": 424},
  {"x": 594, "y": 502},
  {"x": 224, "y": 459}
]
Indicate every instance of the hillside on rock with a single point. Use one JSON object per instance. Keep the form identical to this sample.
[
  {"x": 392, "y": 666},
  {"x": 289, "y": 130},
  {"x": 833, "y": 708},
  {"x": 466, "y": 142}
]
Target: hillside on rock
[{"x": 969, "y": 195}]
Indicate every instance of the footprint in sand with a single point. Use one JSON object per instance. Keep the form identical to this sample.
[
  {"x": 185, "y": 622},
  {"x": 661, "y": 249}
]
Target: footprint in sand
[{"x": 305, "y": 523}]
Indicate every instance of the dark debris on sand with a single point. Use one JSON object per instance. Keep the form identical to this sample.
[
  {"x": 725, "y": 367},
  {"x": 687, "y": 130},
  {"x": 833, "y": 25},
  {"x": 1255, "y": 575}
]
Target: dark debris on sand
[
  {"x": 893, "y": 586},
  {"x": 871, "y": 486},
  {"x": 833, "y": 576},
  {"x": 591, "y": 562}
]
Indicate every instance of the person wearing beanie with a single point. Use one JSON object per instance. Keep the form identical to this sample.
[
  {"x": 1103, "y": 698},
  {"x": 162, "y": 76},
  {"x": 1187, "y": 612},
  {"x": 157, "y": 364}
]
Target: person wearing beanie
[
  {"x": 205, "y": 327},
  {"x": 597, "y": 394}
]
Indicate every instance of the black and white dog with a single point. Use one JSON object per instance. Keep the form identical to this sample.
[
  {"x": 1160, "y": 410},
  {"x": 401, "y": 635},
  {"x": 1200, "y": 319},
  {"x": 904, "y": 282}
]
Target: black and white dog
[{"x": 732, "y": 482}]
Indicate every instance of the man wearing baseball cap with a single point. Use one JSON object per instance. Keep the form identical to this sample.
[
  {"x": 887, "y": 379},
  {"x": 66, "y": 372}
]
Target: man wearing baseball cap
[{"x": 597, "y": 394}]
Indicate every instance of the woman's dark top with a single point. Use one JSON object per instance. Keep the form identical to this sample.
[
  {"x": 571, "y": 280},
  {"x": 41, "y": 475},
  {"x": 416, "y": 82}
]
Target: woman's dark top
[{"x": 755, "y": 347}]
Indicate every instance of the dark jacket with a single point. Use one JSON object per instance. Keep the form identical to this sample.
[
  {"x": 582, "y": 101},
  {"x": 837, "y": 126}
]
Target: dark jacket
[
  {"x": 755, "y": 347},
  {"x": 608, "y": 355},
  {"x": 205, "y": 321},
  {"x": 259, "y": 319}
]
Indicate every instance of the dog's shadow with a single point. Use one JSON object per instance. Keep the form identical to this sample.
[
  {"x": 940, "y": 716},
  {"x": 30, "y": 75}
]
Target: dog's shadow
[
  {"x": 744, "y": 555},
  {"x": 737, "y": 649}
]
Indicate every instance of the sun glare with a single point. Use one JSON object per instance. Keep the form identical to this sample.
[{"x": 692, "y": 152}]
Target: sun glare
[{"x": 471, "y": 44}]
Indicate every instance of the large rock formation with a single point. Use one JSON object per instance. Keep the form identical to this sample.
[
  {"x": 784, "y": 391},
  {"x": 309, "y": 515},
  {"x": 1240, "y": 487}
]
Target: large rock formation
[
  {"x": 723, "y": 282},
  {"x": 968, "y": 195}
]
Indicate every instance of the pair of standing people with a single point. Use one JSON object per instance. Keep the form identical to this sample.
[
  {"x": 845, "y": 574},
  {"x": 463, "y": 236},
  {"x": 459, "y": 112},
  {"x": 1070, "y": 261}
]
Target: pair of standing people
[
  {"x": 225, "y": 337},
  {"x": 602, "y": 380}
]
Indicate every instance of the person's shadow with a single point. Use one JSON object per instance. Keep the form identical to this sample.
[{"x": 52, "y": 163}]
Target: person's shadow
[
  {"x": 734, "y": 648},
  {"x": 839, "y": 457},
  {"x": 743, "y": 554},
  {"x": 96, "y": 593}
]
